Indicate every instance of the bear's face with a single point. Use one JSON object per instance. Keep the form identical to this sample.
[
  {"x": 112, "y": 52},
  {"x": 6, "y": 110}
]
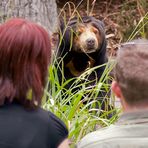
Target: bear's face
[{"x": 87, "y": 38}]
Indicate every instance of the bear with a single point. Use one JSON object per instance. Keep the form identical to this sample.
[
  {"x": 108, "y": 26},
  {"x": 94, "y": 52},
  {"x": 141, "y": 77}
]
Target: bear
[
  {"x": 88, "y": 48},
  {"x": 83, "y": 46}
]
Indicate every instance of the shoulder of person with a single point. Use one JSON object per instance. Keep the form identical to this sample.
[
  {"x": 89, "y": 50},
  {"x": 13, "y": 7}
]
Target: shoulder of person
[
  {"x": 116, "y": 136},
  {"x": 53, "y": 127},
  {"x": 51, "y": 119},
  {"x": 98, "y": 138}
]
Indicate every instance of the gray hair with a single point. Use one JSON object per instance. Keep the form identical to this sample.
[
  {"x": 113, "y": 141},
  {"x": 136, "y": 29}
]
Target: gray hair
[{"x": 131, "y": 71}]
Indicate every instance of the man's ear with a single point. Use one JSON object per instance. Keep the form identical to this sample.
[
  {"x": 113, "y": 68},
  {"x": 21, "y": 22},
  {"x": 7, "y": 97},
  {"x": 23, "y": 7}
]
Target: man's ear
[
  {"x": 118, "y": 93},
  {"x": 116, "y": 89}
]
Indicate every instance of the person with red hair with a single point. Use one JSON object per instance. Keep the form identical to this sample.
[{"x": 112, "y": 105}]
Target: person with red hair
[{"x": 25, "y": 52}]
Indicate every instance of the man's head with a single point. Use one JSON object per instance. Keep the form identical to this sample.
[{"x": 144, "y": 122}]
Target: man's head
[{"x": 131, "y": 74}]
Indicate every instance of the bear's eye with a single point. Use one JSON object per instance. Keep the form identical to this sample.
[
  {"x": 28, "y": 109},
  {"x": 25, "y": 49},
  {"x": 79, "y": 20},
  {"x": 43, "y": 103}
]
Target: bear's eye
[
  {"x": 79, "y": 33},
  {"x": 95, "y": 31}
]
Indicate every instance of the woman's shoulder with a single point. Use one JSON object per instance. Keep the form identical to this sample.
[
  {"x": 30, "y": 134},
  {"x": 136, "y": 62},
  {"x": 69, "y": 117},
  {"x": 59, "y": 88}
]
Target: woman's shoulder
[
  {"x": 36, "y": 117},
  {"x": 56, "y": 127},
  {"x": 40, "y": 122},
  {"x": 46, "y": 118},
  {"x": 52, "y": 119}
]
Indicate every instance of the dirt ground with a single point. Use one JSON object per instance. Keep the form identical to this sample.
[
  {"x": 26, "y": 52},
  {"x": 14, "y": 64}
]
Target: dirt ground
[{"x": 119, "y": 16}]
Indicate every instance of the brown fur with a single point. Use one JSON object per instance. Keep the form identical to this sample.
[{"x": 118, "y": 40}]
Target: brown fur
[
  {"x": 77, "y": 73},
  {"x": 83, "y": 33}
]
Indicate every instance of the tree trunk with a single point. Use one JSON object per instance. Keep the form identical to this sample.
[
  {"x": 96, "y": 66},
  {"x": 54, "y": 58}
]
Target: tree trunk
[{"x": 43, "y": 12}]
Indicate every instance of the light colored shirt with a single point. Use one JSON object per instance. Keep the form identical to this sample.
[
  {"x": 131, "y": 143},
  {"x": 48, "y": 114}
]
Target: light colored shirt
[{"x": 131, "y": 131}]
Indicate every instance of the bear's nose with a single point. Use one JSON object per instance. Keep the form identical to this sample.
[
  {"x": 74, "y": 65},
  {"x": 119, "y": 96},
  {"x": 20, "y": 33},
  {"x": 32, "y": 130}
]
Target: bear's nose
[{"x": 90, "y": 42}]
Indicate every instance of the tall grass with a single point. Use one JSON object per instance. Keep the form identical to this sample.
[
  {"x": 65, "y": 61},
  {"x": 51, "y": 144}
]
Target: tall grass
[
  {"x": 80, "y": 118},
  {"x": 141, "y": 28}
]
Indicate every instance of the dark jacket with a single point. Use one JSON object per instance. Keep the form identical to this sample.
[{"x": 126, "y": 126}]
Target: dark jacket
[{"x": 21, "y": 128}]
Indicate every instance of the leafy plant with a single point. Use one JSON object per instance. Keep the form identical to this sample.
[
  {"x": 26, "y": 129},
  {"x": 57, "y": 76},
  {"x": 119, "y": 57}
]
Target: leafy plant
[{"x": 80, "y": 118}]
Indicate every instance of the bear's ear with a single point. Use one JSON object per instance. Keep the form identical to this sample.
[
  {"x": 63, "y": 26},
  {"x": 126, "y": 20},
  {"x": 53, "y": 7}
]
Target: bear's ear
[
  {"x": 67, "y": 23},
  {"x": 62, "y": 24},
  {"x": 98, "y": 22},
  {"x": 102, "y": 24},
  {"x": 73, "y": 21}
]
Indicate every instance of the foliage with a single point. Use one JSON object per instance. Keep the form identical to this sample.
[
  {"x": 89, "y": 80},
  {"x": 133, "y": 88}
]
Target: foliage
[
  {"x": 80, "y": 118},
  {"x": 141, "y": 28}
]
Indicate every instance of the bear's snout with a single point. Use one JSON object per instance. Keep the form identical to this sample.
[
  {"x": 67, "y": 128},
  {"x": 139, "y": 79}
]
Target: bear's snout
[{"x": 90, "y": 43}]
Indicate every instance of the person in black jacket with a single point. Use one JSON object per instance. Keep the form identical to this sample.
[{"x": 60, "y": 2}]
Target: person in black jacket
[{"x": 25, "y": 52}]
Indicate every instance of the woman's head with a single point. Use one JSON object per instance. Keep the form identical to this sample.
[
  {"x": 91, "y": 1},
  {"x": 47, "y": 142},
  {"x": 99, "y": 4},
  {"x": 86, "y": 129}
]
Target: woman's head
[{"x": 25, "y": 53}]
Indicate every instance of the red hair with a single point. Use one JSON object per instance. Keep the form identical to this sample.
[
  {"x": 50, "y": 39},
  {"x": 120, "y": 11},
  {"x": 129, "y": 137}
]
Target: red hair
[{"x": 25, "y": 53}]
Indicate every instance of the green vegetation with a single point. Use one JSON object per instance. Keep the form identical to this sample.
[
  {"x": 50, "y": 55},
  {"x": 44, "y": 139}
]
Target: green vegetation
[
  {"x": 141, "y": 28},
  {"x": 68, "y": 105}
]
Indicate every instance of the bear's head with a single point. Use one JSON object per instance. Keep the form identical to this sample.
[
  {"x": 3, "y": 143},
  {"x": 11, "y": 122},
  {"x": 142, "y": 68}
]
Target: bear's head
[
  {"x": 87, "y": 38},
  {"x": 83, "y": 35}
]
